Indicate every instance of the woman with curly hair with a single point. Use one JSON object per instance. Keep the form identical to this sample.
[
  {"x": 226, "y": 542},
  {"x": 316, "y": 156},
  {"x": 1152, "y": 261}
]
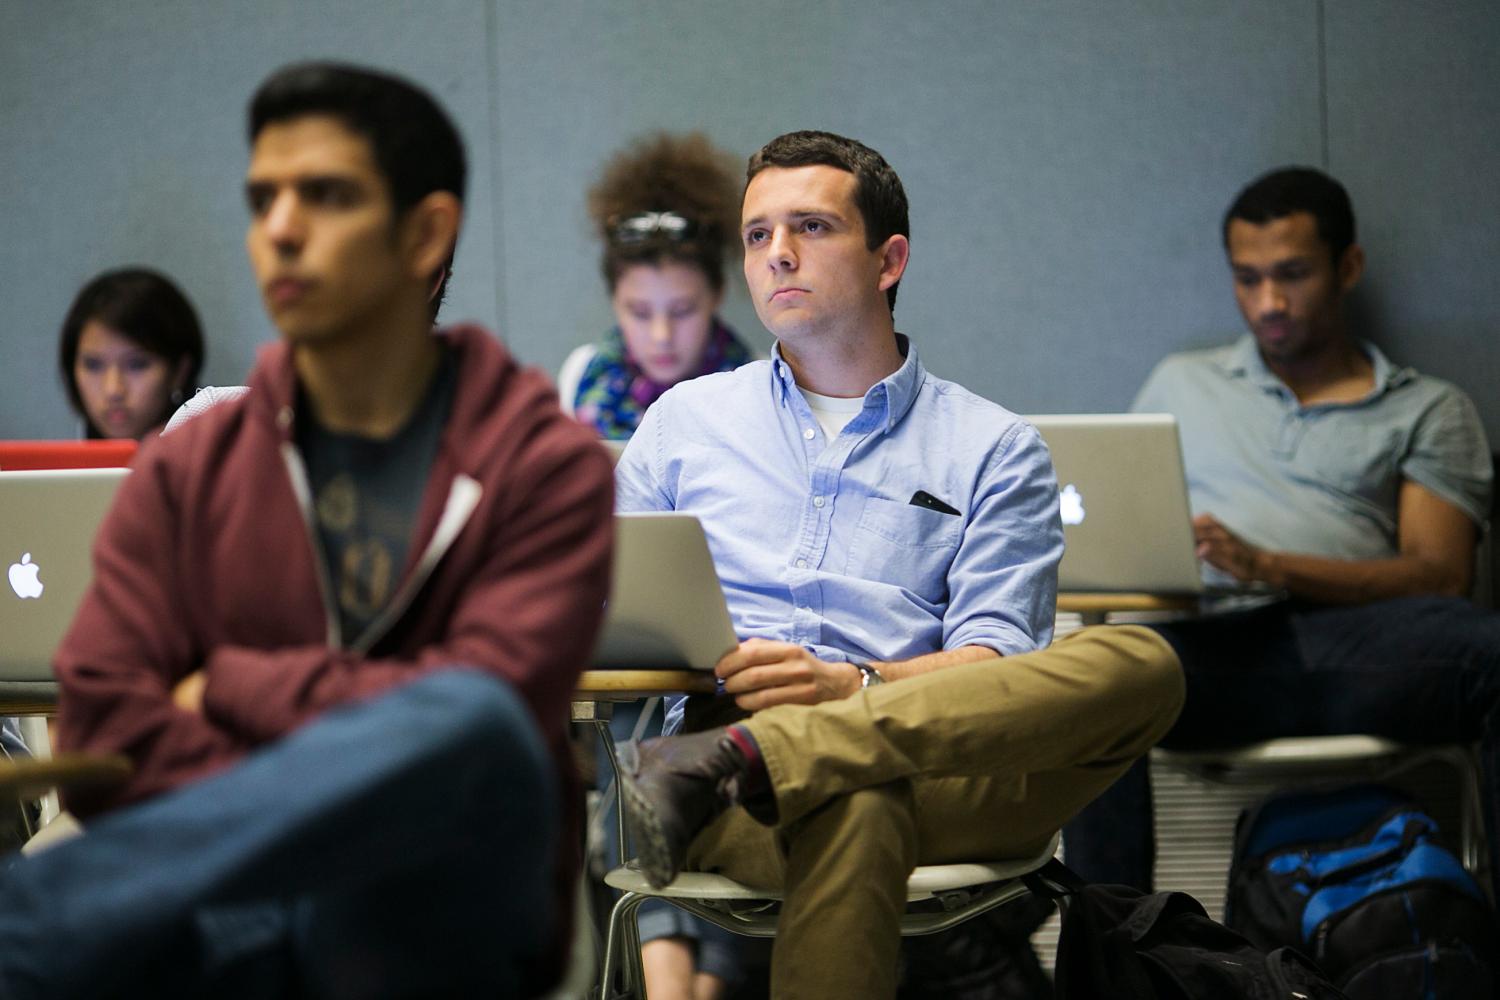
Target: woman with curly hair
[{"x": 667, "y": 210}]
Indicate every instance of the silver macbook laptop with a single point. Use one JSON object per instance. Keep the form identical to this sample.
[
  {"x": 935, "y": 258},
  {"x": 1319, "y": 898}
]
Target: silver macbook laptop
[
  {"x": 47, "y": 526},
  {"x": 666, "y": 609},
  {"x": 1126, "y": 520}
]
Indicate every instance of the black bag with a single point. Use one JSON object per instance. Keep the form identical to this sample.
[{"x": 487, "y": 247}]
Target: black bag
[
  {"x": 1357, "y": 879},
  {"x": 1118, "y": 942},
  {"x": 987, "y": 958}
]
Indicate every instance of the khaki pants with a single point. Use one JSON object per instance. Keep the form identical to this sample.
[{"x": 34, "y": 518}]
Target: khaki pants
[{"x": 977, "y": 762}]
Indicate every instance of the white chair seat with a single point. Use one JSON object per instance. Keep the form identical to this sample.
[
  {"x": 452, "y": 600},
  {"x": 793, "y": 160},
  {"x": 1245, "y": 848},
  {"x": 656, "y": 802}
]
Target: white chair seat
[
  {"x": 962, "y": 890},
  {"x": 925, "y": 882},
  {"x": 1309, "y": 751}
]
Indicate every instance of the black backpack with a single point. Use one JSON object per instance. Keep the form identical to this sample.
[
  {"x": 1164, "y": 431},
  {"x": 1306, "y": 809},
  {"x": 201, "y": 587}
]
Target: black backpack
[
  {"x": 1357, "y": 879},
  {"x": 1118, "y": 942}
]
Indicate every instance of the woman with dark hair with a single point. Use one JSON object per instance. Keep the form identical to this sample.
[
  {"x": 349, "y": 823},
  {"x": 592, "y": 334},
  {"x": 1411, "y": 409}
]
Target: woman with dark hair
[
  {"x": 667, "y": 210},
  {"x": 130, "y": 349}
]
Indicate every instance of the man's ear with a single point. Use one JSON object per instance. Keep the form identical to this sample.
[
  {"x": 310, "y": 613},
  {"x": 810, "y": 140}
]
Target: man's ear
[
  {"x": 893, "y": 257},
  {"x": 1351, "y": 267},
  {"x": 429, "y": 233}
]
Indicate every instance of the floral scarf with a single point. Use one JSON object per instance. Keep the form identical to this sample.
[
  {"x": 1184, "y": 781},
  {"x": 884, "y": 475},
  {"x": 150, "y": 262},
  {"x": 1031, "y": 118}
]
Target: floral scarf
[{"x": 614, "y": 393}]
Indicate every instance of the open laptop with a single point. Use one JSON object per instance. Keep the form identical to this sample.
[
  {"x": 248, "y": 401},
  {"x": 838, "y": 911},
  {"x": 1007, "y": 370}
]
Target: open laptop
[
  {"x": 47, "y": 524},
  {"x": 1126, "y": 520},
  {"x": 666, "y": 609}
]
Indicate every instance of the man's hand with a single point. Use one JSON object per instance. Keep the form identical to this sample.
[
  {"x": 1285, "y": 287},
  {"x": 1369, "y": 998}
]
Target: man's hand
[
  {"x": 188, "y": 694},
  {"x": 1223, "y": 549},
  {"x": 762, "y": 673}
]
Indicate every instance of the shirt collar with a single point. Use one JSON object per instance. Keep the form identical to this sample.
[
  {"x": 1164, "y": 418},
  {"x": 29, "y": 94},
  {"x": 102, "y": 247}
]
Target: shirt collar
[
  {"x": 893, "y": 394},
  {"x": 1244, "y": 361}
]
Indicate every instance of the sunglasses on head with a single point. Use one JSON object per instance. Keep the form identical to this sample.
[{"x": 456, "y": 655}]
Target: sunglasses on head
[{"x": 643, "y": 226}]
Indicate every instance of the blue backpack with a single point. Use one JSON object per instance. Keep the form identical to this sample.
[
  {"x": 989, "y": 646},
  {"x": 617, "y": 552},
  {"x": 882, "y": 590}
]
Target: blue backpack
[{"x": 1357, "y": 880}]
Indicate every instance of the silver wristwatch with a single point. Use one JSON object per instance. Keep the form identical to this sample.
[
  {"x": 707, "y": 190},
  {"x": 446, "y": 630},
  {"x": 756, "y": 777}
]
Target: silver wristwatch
[{"x": 869, "y": 676}]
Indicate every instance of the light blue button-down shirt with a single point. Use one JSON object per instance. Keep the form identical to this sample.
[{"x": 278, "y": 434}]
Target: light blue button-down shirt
[
  {"x": 817, "y": 543},
  {"x": 1321, "y": 479}
]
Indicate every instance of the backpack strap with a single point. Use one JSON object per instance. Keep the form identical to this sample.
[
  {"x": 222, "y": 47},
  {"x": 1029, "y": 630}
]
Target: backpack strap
[
  {"x": 1054, "y": 881},
  {"x": 1415, "y": 829}
]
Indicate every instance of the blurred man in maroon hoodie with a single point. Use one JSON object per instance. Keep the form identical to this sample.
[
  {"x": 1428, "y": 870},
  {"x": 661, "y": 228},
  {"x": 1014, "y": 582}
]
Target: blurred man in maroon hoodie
[{"x": 334, "y": 622}]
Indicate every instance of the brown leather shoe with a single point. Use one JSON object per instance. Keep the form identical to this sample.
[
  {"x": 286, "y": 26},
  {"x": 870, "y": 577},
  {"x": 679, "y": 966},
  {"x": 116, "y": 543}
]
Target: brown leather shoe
[{"x": 680, "y": 784}]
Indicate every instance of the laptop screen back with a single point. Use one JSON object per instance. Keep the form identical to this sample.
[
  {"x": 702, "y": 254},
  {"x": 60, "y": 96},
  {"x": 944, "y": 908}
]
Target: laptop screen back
[
  {"x": 48, "y": 520},
  {"x": 1127, "y": 525},
  {"x": 666, "y": 608}
]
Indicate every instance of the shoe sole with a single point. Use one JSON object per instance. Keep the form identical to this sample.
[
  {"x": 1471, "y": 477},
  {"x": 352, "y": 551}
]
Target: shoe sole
[{"x": 653, "y": 853}]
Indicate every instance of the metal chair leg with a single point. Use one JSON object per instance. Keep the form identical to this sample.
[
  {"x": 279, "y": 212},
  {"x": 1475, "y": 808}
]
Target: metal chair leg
[{"x": 620, "y": 973}]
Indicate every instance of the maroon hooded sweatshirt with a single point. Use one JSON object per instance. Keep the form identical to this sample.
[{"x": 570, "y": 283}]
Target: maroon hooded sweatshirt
[{"x": 207, "y": 561}]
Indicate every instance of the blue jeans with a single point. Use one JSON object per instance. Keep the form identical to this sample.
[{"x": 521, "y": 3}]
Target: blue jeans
[
  {"x": 1421, "y": 670},
  {"x": 398, "y": 847}
]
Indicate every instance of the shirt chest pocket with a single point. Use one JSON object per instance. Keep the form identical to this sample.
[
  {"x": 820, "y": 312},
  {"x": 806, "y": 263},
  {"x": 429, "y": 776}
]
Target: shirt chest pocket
[{"x": 906, "y": 546}]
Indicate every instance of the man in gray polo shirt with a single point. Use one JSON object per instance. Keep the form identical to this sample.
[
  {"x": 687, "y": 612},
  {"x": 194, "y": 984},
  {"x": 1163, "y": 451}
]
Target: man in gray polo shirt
[{"x": 1355, "y": 487}]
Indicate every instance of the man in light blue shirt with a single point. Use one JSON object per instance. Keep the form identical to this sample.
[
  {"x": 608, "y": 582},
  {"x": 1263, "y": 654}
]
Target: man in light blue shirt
[
  {"x": 883, "y": 538},
  {"x": 1354, "y": 486},
  {"x": 816, "y": 539}
]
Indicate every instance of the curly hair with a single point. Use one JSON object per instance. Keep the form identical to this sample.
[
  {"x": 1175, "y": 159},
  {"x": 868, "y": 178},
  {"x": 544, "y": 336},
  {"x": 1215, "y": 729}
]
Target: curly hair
[{"x": 684, "y": 174}]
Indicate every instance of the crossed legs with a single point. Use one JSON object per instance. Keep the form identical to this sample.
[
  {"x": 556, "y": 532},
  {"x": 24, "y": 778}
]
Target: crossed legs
[{"x": 974, "y": 762}]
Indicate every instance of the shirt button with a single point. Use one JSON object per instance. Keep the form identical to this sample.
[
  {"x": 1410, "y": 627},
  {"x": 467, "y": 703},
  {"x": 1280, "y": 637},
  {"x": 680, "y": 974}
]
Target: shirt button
[
  {"x": 802, "y": 564},
  {"x": 818, "y": 501},
  {"x": 808, "y": 432}
]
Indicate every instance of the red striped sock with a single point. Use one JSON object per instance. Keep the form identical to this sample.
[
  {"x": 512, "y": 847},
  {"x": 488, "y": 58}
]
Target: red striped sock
[{"x": 753, "y": 784}]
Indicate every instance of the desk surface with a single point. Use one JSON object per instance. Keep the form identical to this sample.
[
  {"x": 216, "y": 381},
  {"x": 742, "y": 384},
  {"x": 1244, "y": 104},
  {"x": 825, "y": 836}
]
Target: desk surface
[
  {"x": 627, "y": 685},
  {"x": 33, "y": 777},
  {"x": 1082, "y": 602}
]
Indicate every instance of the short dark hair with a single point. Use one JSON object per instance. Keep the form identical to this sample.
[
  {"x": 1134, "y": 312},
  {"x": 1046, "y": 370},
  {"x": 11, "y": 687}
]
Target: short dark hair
[
  {"x": 1289, "y": 190},
  {"x": 878, "y": 193},
  {"x": 143, "y": 306},
  {"x": 416, "y": 146}
]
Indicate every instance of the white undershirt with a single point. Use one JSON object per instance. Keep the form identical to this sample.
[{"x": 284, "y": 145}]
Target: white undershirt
[{"x": 833, "y": 413}]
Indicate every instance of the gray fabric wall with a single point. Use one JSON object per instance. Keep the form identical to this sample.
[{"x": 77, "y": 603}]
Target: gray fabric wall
[{"x": 1067, "y": 162}]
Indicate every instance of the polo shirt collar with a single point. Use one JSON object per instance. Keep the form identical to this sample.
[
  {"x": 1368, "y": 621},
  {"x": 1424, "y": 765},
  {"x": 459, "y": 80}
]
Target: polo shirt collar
[
  {"x": 1244, "y": 361},
  {"x": 893, "y": 394}
]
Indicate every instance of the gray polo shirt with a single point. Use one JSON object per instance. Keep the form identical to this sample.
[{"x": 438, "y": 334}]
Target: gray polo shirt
[{"x": 1322, "y": 479}]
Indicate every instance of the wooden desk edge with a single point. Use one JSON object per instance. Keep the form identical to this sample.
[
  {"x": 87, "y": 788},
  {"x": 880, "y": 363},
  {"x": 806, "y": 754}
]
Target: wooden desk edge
[
  {"x": 627, "y": 685},
  {"x": 1081, "y": 602},
  {"x": 29, "y": 776}
]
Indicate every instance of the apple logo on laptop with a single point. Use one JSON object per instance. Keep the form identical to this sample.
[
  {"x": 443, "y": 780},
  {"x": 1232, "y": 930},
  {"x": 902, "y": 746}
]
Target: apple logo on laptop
[
  {"x": 1071, "y": 502},
  {"x": 23, "y": 579}
]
